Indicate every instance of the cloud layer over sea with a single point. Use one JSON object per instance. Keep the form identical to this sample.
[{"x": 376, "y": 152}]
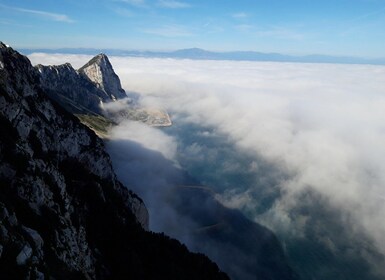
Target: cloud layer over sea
[{"x": 307, "y": 138}]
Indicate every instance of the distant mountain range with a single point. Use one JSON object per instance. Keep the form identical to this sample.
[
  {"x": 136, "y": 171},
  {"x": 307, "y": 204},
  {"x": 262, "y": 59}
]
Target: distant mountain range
[{"x": 196, "y": 53}]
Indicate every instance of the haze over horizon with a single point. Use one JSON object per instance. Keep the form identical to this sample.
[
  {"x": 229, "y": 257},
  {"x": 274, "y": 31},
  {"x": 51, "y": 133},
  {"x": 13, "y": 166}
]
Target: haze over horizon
[{"x": 300, "y": 27}]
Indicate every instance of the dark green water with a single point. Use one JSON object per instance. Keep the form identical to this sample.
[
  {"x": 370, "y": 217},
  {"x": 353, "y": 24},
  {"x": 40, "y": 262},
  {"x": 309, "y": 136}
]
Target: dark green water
[{"x": 325, "y": 249}]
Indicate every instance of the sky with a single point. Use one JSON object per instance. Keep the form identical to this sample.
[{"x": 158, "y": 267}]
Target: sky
[{"x": 300, "y": 27}]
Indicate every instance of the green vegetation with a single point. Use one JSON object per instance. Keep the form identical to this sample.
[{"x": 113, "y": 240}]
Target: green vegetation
[{"x": 99, "y": 124}]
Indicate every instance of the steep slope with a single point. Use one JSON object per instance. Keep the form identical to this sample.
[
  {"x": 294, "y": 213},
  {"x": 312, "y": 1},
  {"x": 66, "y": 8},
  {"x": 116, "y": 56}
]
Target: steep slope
[
  {"x": 84, "y": 92},
  {"x": 76, "y": 93},
  {"x": 63, "y": 213},
  {"x": 99, "y": 70}
]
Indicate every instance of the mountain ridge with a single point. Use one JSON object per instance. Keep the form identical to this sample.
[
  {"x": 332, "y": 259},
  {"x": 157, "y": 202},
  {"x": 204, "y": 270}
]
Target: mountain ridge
[
  {"x": 99, "y": 70},
  {"x": 198, "y": 53},
  {"x": 90, "y": 86},
  {"x": 85, "y": 91}
]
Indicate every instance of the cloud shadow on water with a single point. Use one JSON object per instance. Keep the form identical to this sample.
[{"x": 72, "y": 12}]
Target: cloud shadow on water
[{"x": 184, "y": 209}]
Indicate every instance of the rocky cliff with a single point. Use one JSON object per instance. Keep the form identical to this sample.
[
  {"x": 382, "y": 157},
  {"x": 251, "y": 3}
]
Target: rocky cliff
[
  {"x": 74, "y": 91},
  {"x": 63, "y": 213},
  {"x": 83, "y": 91},
  {"x": 99, "y": 70}
]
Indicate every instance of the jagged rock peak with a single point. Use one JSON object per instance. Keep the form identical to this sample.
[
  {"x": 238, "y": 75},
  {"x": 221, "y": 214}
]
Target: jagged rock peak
[
  {"x": 64, "y": 65},
  {"x": 2, "y": 45},
  {"x": 99, "y": 70},
  {"x": 71, "y": 89},
  {"x": 58, "y": 68},
  {"x": 11, "y": 60},
  {"x": 100, "y": 58}
]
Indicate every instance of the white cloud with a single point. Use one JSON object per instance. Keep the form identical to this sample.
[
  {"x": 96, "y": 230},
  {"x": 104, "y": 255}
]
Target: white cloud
[
  {"x": 240, "y": 15},
  {"x": 76, "y": 60},
  {"x": 42, "y": 14},
  {"x": 322, "y": 125},
  {"x": 148, "y": 137},
  {"x": 172, "y": 4}
]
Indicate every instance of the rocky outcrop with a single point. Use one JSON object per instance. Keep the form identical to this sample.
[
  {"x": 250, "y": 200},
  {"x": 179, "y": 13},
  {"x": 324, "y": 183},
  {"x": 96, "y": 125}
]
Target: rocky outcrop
[
  {"x": 82, "y": 91},
  {"x": 99, "y": 70},
  {"x": 63, "y": 213},
  {"x": 73, "y": 91}
]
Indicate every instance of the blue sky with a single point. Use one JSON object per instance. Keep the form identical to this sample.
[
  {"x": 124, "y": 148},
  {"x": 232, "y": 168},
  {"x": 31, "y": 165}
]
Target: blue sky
[{"x": 338, "y": 27}]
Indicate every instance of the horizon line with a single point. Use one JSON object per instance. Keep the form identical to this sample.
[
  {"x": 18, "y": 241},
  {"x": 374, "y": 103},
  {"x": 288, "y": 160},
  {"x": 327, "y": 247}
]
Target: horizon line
[{"x": 235, "y": 55}]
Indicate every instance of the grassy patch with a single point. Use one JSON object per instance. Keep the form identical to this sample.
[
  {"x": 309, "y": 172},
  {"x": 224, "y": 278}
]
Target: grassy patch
[{"x": 97, "y": 123}]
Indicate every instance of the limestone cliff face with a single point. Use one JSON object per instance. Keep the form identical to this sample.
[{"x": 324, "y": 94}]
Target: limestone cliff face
[
  {"x": 70, "y": 89},
  {"x": 85, "y": 90},
  {"x": 99, "y": 70},
  {"x": 63, "y": 213}
]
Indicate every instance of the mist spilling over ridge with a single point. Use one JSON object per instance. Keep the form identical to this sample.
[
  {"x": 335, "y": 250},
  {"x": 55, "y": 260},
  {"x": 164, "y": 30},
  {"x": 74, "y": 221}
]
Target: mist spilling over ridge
[{"x": 299, "y": 148}]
